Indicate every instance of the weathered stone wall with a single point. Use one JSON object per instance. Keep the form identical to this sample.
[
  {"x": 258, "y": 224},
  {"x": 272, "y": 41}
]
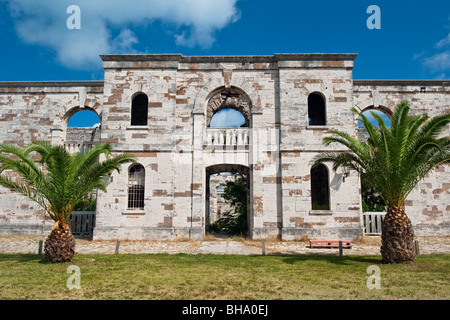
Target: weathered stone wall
[
  {"x": 83, "y": 134},
  {"x": 179, "y": 90},
  {"x": 300, "y": 143},
  {"x": 428, "y": 204},
  {"x": 175, "y": 147},
  {"x": 218, "y": 205},
  {"x": 37, "y": 111}
]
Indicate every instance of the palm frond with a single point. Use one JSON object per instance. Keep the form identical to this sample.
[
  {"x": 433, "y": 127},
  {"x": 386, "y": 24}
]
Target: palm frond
[
  {"x": 60, "y": 180},
  {"x": 394, "y": 159}
]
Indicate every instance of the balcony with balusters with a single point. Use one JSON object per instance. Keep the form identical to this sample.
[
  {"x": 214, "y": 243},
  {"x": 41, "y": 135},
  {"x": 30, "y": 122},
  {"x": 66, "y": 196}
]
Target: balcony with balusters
[
  {"x": 76, "y": 146},
  {"x": 238, "y": 137}
]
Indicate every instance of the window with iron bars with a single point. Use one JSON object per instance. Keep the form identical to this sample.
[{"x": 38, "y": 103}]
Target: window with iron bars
[{"x": 136, "y": 187}]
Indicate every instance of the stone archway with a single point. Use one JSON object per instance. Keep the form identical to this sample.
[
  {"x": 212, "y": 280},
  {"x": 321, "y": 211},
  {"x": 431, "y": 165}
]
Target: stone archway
[
  {"x": 80, "y": 138},
  {"x": 383, "y": 112},
  {"x": 242, "y": 170},
  {"x": 229, "y": 98},
  {"x": 388, "y": 112}
]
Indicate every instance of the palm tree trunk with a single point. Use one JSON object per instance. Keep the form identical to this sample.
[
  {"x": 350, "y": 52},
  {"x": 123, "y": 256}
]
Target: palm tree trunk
[
  {"x": 397, "y": 237},
  {"x": 60, "y": 244}
]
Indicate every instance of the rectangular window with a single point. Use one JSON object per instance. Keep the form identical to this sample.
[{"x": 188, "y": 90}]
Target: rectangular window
[
  {"x": 136, "y": 187},
  {"x": 136, "y": 197}
]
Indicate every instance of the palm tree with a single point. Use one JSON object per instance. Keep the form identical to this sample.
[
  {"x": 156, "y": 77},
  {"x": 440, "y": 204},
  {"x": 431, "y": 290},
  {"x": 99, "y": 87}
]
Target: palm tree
[
  {"x": 394, "y": 159},
  {"x": 57, "y": 181}
]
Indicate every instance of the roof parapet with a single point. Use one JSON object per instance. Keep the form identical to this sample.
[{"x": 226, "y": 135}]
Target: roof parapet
[{"x": 231, "y": 58}]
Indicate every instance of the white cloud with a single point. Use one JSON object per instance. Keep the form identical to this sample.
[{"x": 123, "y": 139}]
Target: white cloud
[
  {"x": 43, "y": 22},
  {"x": 439, "y": 61},
  {"x": 419, "y": 55},
  {"x": 124, "y": 42},
  {"x": 441, "y": 76},
  {"x": 443, "y": 43},
  {"x": 227, "y": 118}
]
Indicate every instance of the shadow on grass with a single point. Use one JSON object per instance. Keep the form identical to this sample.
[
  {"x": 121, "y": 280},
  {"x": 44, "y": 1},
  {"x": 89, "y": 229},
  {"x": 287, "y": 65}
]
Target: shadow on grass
[
  {"x": 21, "y": 257},
  {"x": 286, "y": 258},
  {"x": 344, "y": 260}
]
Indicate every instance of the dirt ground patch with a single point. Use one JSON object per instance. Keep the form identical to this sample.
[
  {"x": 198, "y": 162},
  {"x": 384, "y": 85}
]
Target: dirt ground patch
[{"x": 235, "y": 245}]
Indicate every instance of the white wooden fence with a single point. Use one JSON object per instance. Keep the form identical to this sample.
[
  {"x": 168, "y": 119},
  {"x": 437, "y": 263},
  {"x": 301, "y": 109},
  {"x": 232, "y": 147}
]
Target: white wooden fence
[
  {"x": 82, "y": 223},
  {"x": 372, "y": 223}
]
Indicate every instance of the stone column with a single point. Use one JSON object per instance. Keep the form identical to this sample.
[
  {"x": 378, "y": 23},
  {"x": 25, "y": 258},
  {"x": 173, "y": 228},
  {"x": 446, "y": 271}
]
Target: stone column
[
  {"x": 198, "y": 193},
  {"x": 56, "y": 136}
]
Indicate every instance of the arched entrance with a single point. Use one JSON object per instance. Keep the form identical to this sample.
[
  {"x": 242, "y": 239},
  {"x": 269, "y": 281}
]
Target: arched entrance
[
  {"x": 225, "y": 148},
  {"x": 242, "y": 172},
  {"x": 83, "y": 127}
]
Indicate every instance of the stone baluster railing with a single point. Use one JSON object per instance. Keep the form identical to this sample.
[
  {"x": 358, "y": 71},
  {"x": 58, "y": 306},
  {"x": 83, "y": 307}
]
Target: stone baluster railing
[{"x": 227, "y": 136}]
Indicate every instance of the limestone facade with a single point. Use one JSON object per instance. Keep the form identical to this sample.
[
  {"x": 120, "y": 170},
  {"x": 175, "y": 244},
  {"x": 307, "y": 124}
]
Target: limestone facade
[
  {"x": 177, "y": 151},
  {"x": 217, "y": 204}
]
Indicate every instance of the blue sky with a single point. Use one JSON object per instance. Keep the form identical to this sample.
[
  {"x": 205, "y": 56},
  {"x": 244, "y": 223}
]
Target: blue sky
[
  {"x": 227, "y": 118},
  {"x": 83, "y": 118},
  {"x": 36, "y": 45},
  {"x": 369, "y": 116}
]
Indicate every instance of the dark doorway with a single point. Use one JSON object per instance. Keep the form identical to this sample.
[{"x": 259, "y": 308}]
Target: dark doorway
[{"x": 227, "y": 185}]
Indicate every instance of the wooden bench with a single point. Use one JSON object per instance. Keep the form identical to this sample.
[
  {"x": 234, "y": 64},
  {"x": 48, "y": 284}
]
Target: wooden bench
[{"x": 329, "y": 244}]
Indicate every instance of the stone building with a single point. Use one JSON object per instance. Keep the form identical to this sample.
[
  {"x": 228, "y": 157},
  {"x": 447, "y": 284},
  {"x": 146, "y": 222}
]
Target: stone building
[
  {"x": 218, "y": 205},
  {"x": 159, "y": 108}
]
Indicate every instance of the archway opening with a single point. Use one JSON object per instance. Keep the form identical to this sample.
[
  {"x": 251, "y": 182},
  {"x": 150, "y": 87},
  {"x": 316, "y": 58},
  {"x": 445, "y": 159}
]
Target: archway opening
[
  {"x": 82, "y": 131},
  {"x": 385, "y": 115},
  {"x": 228, "y": 118},
  {"x": 227, "y": 200},
  {"x": 83, "y": 119},
  {"x": 371, "y": 200},
  {"x": 230, "y": 104}
]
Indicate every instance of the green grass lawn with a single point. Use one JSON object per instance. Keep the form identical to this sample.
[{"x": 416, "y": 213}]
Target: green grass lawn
[{"x": 225, "y": 277}]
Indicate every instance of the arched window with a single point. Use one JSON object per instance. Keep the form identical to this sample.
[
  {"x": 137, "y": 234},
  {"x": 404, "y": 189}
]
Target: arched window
[
  {"x": 136, "y": 187},
  {"x": 82, "y": 132},
  {"x": 139, "y": 110},
  {"x": 316, "y": 110},
  {"x": 320, "y": 192},
  {"x": 84, "y": 118},
  {"x": 229, "y": 103},
  {"x": 384, "y": 115},
  {"x": 228, "y": 118}
]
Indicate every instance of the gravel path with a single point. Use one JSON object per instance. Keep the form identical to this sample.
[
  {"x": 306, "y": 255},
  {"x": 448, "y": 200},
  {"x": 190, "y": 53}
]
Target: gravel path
[{"x": 368, "y": 246}]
